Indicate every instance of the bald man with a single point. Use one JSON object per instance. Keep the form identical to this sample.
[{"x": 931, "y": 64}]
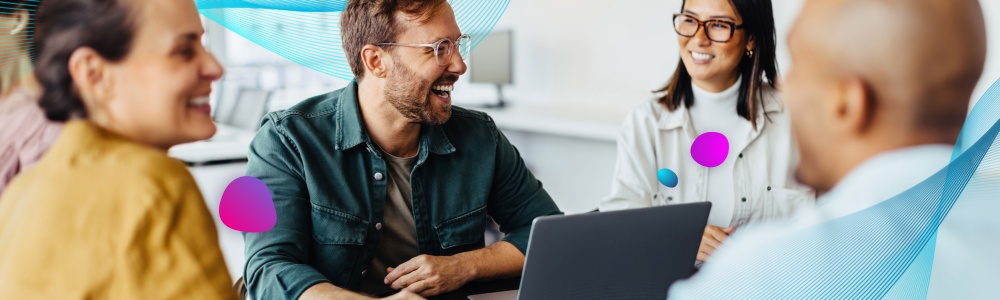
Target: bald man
[{"x": 878, "y": 92}]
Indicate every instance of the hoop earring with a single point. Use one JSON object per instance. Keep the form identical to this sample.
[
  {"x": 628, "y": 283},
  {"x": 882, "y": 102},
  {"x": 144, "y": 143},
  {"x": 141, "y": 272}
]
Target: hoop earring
[
  {"x": 17, "y": 29},
  {"x": 20, "y": 27}
]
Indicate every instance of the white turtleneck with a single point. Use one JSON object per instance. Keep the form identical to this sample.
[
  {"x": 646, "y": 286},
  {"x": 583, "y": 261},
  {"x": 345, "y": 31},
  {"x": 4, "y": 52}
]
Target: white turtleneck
[{"x": 716, "y": 112}]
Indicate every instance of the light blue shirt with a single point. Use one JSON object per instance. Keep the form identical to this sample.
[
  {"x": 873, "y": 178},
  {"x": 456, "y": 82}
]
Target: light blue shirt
[{"x": 831, "y": 250}]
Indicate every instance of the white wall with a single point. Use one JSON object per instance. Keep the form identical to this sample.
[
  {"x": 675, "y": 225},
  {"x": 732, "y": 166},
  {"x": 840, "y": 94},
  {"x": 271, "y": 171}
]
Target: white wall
[
  {"x": 588, "y": 53},
  {"x": 609, "y": 55}
]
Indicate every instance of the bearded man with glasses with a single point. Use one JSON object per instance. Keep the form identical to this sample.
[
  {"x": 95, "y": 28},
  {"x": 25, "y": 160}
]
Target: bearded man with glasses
[{"x": 383, "y": 186}]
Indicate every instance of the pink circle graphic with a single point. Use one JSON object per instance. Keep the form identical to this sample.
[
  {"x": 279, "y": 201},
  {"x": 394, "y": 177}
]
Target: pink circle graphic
[
  {"x": 710, "y": 149},
  {"x": 247, "y": 206}
]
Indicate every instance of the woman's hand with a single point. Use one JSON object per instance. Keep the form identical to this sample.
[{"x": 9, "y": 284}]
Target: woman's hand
[{"x": 712, "y": 239}]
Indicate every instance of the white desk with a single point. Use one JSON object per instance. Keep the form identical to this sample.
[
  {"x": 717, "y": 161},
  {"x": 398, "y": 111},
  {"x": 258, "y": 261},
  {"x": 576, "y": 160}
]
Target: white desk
[
  {"x": 215, "y": 163},
  {"x": 227, "y": 145},
  {"x": 571, "y": 150},
  {"x": 574, "y": 122}
]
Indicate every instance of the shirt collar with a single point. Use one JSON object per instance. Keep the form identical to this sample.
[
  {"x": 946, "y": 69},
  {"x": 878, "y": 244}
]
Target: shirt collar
[
  {"x": 352, "y": 131},
  {"x": 730, "y": 94},
  {"x": 885, "y": 175},
  {"x": 437, "y": 140},
  {"x": 80, "y": 137}
]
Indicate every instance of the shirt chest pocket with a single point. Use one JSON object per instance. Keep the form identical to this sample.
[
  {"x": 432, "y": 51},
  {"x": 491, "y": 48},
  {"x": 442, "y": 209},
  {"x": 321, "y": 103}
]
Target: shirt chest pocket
[
  {"x": 462, "y": 233},
  {"x": 785, "y": 202},
  {"x": 340, "y": 238}
]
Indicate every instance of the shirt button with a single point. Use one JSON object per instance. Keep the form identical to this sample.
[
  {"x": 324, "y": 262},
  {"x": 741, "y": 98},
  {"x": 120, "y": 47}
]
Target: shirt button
[
  {"x": 378, "y": 176},
  {"x": 365, "y": 272},
  {"x": 378, "y": 226},
  {"x": 744, "y": 199},
  {"x": 741, "y": 155},
  {"x": 670, "y": 198},
  {"x": 768, "y": 188}
]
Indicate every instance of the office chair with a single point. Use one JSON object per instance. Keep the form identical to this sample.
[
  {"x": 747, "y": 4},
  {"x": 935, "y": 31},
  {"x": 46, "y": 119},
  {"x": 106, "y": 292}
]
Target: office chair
[{"x": 241, "y": 288}]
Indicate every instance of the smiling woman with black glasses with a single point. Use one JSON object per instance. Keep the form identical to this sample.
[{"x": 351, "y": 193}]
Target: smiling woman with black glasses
[{"x": 725, "y": 83}]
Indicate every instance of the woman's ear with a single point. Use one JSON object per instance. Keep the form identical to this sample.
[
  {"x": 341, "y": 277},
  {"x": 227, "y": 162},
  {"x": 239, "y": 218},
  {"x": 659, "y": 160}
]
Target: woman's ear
[
  {"x": 91, "y": 76},
  {"x": 21, "y": 19},
  {"x": 751, "y": 44}
]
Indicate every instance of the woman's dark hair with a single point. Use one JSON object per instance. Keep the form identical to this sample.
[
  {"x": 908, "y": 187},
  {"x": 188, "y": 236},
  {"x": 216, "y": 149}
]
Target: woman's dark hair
[
  {"x": 66, "y": 25},
  {"x": 758, "y": 23}
]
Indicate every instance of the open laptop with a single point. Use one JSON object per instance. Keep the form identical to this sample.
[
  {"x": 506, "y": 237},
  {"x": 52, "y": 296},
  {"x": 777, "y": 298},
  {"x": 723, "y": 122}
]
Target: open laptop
[{"x": 629, "y": 254}]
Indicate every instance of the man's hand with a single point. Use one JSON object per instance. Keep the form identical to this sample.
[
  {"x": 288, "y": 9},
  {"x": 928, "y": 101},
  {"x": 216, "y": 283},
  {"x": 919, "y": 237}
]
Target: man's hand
[
  {"x": 428, "y": 275},
  {"x": 712, "y": 239}
]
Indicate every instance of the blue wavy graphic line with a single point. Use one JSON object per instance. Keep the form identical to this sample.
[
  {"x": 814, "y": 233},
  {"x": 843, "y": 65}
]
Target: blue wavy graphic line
[
  {"x": 291, "y": 5},
  {"x": 977, "y": 134},
  {"x": 984, "y": 113},
  {"x": 307, "y": 32}
]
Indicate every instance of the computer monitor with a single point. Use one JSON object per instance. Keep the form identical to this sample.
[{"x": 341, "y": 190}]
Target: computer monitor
[{"x": 491, "y": 61}]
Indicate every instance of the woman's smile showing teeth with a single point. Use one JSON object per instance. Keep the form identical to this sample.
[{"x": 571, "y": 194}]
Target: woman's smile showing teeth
[
  {"x": 200, "y": 104},
  {"x": 701, "y": 57}
]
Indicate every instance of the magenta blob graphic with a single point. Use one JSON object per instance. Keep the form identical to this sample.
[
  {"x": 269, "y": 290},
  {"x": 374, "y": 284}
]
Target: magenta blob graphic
[
  {"x": 710, "y": 149},
  {"x": 247, "y": 206}
]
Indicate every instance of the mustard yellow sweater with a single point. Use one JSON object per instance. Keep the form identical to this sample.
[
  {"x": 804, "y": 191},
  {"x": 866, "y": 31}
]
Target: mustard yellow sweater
[{"x": 101, "y": 217}]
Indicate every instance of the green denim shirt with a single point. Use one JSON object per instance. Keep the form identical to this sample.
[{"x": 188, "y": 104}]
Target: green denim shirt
[{"x": 329, "y": 189}]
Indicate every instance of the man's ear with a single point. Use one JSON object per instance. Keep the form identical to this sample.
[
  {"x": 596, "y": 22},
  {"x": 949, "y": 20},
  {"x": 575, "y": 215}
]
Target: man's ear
[
  {"x": 91, "y": 76},
  {"x": 21, "y": 19},
  {"x": 375, "y": 60},
  {"x": 855, "y": 107}
]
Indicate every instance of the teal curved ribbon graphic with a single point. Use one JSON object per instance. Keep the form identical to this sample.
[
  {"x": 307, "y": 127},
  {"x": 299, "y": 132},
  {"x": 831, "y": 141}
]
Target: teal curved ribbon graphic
[{"x": 307, "y": 32}]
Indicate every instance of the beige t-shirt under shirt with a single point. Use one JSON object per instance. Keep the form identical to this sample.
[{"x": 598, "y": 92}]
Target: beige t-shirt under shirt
[{"x": 399, "y": 232}]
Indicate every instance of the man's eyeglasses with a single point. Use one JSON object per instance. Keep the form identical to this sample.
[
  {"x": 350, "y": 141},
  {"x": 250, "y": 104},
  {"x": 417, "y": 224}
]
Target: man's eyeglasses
[
  {"x": 443, "y": 49},
  {"x": 719, "y": 31}
]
